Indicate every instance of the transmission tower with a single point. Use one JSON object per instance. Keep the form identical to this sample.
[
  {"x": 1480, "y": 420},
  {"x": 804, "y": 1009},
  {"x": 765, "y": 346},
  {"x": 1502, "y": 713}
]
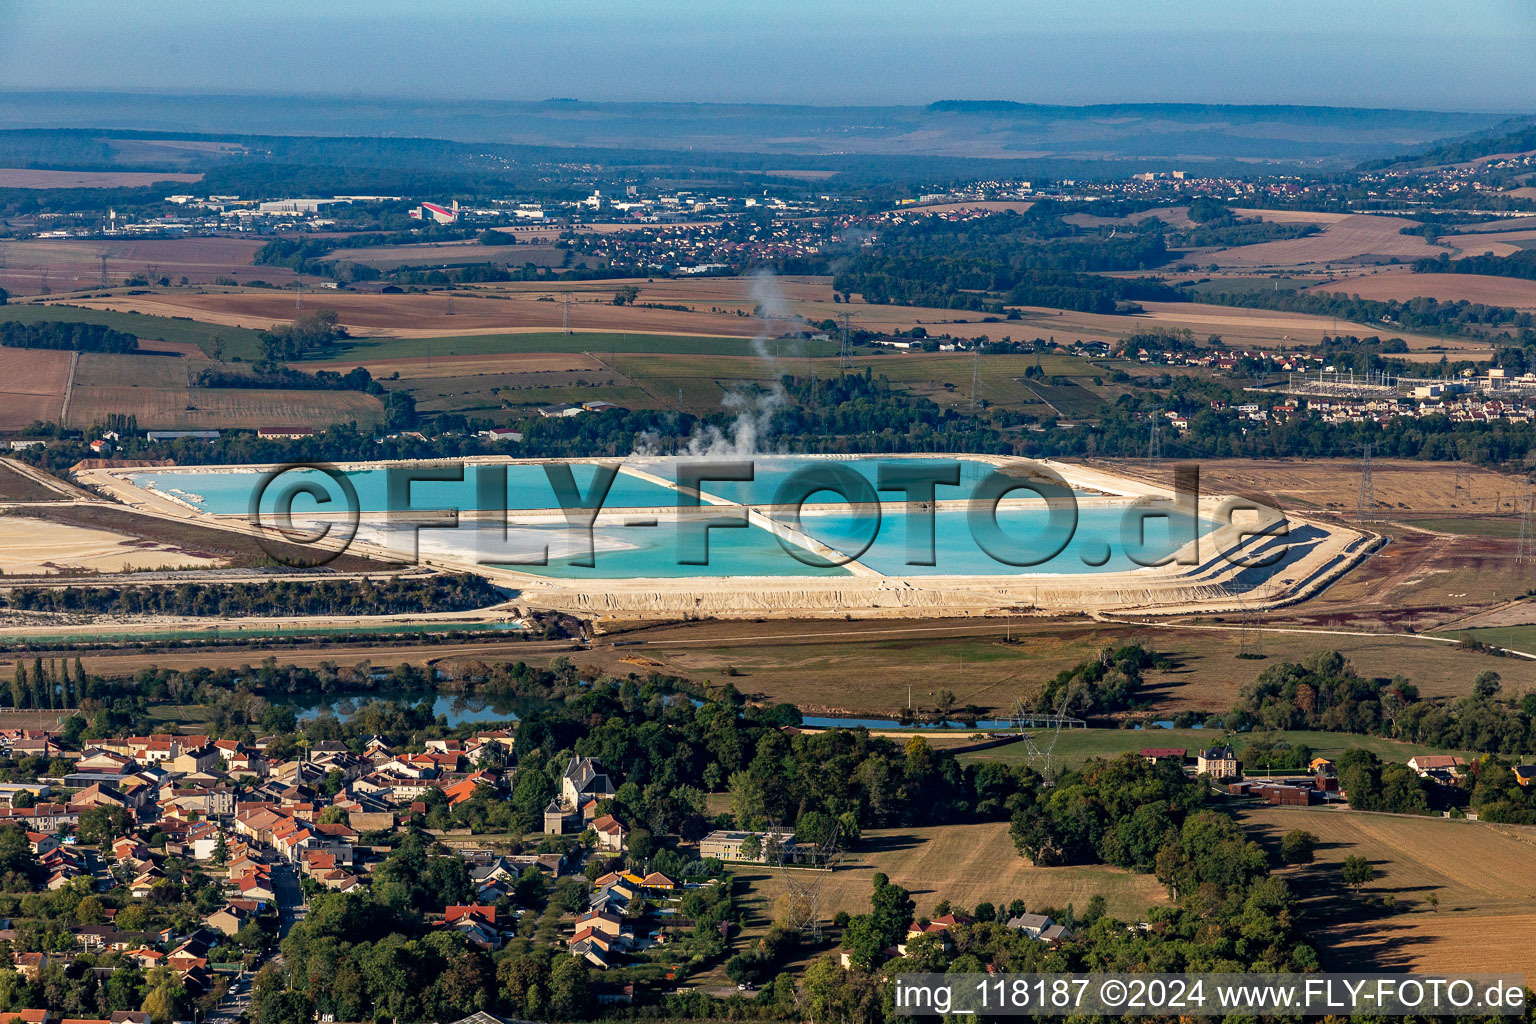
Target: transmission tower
[
  {"x": 804, "y": 867},
  {"x": 1527, "y": 550},
  {"x": 844, "y": 355},
  {"x": 1041, "y": 744},
  {"x": 104, "y": 270},
  {"x": 1250, "y": 638},
  {"x": 1367, "y": 505},
  {"x": 1154, "y": 443},
  {"x": 565, "y": 322},
  {"x": 975, "y": 374},
  {"x": 298, "y": 296}
]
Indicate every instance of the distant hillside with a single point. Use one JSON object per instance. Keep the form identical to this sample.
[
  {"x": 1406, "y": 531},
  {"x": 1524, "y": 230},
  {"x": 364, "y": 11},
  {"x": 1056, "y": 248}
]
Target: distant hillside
[
  {"x": 1202, "y": 136},
  {"x": 1516, "y": 135}
]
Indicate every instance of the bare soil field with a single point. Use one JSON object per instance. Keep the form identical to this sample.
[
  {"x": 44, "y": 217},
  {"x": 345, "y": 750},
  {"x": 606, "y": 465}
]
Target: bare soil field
[
  {"x": 965, "y": 864},
  {"x": 1357, "y": 237},
  {"x": 32, "y": 383},
  {"x": 21, "y": 177},
  {"x": 170, "y": 408},
  {"x": 1478, "y": 874},
  {"x": 1494, "y": 291},
  {"x": 75, "y": 264}
]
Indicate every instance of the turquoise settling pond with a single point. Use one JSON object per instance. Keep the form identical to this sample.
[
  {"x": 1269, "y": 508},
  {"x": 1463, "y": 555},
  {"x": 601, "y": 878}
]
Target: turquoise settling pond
[{"x": 647, "y": 541}]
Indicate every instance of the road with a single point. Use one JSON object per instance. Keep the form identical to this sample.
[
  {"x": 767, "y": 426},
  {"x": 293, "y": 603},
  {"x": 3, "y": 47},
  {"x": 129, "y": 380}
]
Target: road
[
  {"x": 235, "y": 1004},
  {"x": 290, "y": 898}
]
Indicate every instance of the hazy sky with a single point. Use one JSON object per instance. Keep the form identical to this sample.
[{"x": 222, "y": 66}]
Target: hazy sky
[{"x": 1437, "y": 54}]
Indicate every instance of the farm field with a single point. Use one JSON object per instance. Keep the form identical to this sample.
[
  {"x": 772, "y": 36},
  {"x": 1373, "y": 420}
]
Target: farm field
[
  {"x": 1494, "y": 243},
  {"x": 719, "y": 307},
  {"x": 434, "y": 254},
  {"x": 26, "y": 177},
  {"x": 965, "y": 864},
  {"x": 1356, "y": 237},
  {"x": 872, "y": 669},
  {"x": 1479, "y": 874},
  {"x": 367, "y": 351},
  {"x": 112, "y": 369},
  {"x": 1494, "y": 291},
  {"x": 32, "y": 384},
  {"x": 187, "y": 408},
  {"x": 432, "y": 314},
  {"x": 1519, "y": 638},
  {"x": 179, "y": 333},
  {"x": 75, "y": 264}
]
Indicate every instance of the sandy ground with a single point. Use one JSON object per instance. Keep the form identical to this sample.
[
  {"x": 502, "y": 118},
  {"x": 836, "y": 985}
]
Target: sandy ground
[{"x": 34, "y": 546}]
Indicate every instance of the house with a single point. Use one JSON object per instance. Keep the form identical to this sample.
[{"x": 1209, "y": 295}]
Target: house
[
  {"x": 582, "y": 785},
  {"x": 476, "y": 923},
  {"x": 1038, "y": 926},
  {"x": 1425, "y": 764},
  {"x": 610, "y": 834},
  {"x": 42, "y": 843},
  {"x": 227, "y": 919},
  {"x": 658, "y": 882},
  {"x": 30, "y": 965},
  {"x": 1156, "y": 754},
  {"x": 1217, "y": 762},
  {"x": 725, "y": 844},
  {"x": 1525, "y": 774},
  {"x": 611, "y": 925}
]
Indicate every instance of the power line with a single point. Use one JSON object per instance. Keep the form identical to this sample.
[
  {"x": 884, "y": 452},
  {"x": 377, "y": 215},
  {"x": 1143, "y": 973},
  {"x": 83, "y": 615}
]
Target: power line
[{"x": 1367, "y": 504}]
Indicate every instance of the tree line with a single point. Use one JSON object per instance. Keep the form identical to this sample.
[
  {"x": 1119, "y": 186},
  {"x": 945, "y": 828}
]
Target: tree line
[
  {"x": 61, "y": 334},
  {"x": 395, "y": 596}
]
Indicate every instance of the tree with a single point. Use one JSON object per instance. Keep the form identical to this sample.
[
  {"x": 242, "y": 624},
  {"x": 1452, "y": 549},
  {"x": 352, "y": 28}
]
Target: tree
[
  {"x": 1297, "y": 846},
  {"x": 1356, "y": 872},
  {"x": 1487, "y": 685},
  {"x": 751, "y": 847},
  {"x": 569, "y": 989},
  {"x": 626, "y": 295}
]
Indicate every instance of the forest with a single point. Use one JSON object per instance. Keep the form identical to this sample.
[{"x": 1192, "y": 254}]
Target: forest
[{"x": 71, "y": 337}]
